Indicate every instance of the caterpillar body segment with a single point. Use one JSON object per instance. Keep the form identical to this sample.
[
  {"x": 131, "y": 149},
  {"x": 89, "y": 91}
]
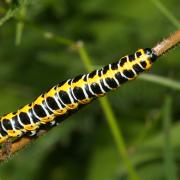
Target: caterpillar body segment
[{"x": 70, "y": 95}]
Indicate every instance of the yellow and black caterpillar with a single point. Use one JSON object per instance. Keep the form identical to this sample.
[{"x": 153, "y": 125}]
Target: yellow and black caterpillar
[{"x": 69, "y": 95}]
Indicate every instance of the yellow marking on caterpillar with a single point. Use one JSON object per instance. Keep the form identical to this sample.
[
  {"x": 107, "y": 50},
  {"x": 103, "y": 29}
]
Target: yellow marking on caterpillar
[
  {"x": 50, "y": 93},
  {"x": 39, "y": 100},
  {"x": 14, "y": 133},
  {"x": 47, "y": 119},
  {"x": 3, "y": 138},
  {"x": 94, "y": 79},
  {"x": 7, "y": 116},
  {"x": 25, "y": 108},
  {"x": 64, "y": 87}
]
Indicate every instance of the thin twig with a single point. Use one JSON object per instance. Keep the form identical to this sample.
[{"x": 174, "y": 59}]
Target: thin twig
[
  {"x": 18, "y": 145},
  {"x": 160, "y": 49},
  {"x": 167, "y": 44}
]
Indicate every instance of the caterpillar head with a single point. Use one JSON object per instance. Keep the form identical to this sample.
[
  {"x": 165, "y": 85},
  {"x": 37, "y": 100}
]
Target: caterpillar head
[
  {"x": 150, "y": 54},
  {"x": 146, "y": 57}
]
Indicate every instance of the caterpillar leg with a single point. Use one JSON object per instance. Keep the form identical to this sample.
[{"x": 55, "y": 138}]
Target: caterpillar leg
[
  {"x": 52, "y": 123},
  {"x": 31, "y": 133}
]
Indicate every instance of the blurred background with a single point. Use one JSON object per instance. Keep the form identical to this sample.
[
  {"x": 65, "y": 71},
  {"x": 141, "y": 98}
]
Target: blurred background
[{"x": 37, "y": 51}]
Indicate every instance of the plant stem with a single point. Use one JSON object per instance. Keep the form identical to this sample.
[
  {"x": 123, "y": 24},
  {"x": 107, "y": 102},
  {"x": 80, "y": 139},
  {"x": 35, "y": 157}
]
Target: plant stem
[
  {"x": 111, "y": 119},
  {"x": 169, "y": 164},
  {"x": 166, "y": 13},
  {"x": 106, "y": 107},
  {"x": 20, "y": 26},
  {"x": 161, "y": 81},
  {"x": 58, "y": 39}
]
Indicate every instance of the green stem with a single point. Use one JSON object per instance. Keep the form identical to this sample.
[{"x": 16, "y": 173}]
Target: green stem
[
  {"x": 169, "y": 164},
  {"x": 111, "y": 119},
  {"x": 9, "y": 14},
  {"x": 85, "y": 57},
  {"x": 13, "y": 12},
  {"x": 20, "y": 26},
  {"x": 118, "y": 138},
  {"x": 161, "y": 80},
  {"x": 58, "y": 39},
  {"x": 166, "y": 13}
]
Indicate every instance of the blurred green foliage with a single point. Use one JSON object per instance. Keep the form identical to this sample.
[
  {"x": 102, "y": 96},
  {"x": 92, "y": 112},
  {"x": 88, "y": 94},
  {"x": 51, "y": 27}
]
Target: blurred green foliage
[{"x": 83, "y": 147}]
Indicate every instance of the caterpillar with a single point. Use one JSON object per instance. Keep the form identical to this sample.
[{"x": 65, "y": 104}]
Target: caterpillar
[{"x": 69, "y": 95}]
